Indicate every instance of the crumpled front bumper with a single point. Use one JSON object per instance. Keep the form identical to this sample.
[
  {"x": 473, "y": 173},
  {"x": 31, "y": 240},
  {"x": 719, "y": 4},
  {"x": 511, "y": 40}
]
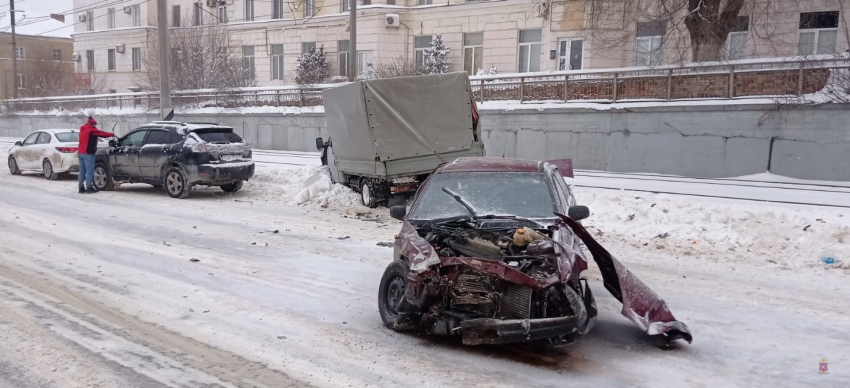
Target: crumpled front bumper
[{"x": 488, "y": 331}]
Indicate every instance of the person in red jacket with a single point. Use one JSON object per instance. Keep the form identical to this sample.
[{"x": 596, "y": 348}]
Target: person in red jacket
[{"x": 85, "y": 151}]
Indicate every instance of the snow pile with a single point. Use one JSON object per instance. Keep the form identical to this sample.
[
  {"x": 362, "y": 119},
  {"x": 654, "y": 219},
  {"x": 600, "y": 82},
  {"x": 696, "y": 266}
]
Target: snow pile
[
  {"x": 308, "y": 186},
  {"x": 719, "y": 230}
]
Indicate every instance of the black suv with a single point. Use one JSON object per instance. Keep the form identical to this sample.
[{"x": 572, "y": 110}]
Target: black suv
[{"x": 176, "y": 156}]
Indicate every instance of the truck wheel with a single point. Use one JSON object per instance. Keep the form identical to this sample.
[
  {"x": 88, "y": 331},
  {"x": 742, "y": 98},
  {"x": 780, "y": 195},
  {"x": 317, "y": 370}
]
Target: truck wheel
[
  {"x": 391, "y": 292},
  {"x": 368, "y": 196}
]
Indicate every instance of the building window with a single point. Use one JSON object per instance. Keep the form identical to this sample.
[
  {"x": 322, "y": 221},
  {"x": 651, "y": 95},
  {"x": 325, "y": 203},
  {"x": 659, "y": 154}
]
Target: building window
[
  {"x": 175, "y": 16},
  {"x": 529, "y": 50},
  {"x": 57, "y": 54},
  {"x": 222, "y": 14},
  {"x": 89, "y": 20},
  {"x": 426, "y": 2},
  {"x": 343, "y": 48},
  {"x": 736, "y": 41},
  {"x": 249, "y": 10},
  {"x": 136, "y": 14},
  {"x": 346, "y": 5},
  {"x": 248, "y": 60},
  {"x": 20, "y": 53},
  {"x": 198, "y": 14},
  {"x": 365, "y": 67},
  {"x": 22, "y": 82},
  {"x": 309, "y": 8},
  {"x": 137, "y": 59},
  {"x": 277, "y": 9},
  {"x": 818, "y": 32},
  {"x": 570, "y": 53},
  {"x": 473, "y": 52},
  {"x": 90, "y": 60},
  {"x": 110, "y": 59},
  {"x": 110, "y": 18},
  {"x": 420, "y": 44},
  {"x": 306, "y": 46},
  {"x": 649, "y": 46},
  {"x": 277, "y": 61}
]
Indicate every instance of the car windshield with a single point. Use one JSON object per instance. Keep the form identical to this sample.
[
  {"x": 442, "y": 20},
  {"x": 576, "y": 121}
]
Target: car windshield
[
  {"x": 218, "y": 135},
  {"x": 68, "y": 137},
  {"x": 520, "y": 194}
]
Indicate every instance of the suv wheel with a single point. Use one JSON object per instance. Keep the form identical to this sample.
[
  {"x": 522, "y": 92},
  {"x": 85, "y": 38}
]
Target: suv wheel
[
  {"x": 47, "y": 168},
  {"x": 232, "y": 187},
  {"x": 13, "y": 166},
  {"x": 175, "y": 183},
  {"x": 101, "y": 179}
]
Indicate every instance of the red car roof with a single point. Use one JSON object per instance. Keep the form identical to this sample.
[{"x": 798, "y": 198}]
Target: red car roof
[{"x": 485, "y": 164}]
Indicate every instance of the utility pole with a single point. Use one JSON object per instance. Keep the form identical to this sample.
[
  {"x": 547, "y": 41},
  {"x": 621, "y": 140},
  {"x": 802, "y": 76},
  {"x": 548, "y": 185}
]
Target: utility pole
[
  {"x": 352, "y": 40},
  {"x": 164, "y": 59},
  {"x": 14, "y": 51}
]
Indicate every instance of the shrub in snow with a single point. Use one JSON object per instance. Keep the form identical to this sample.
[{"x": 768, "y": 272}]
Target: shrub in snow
[
  {"x": 312, "y": 67},
  {"x": 491, "y": 71},
  {"x": 437, "y": 56}
]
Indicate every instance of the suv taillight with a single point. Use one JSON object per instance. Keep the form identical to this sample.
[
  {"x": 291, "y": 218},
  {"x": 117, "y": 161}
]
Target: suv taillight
[
  {"x": 66, "y": 150},
  {"x": 202, "y": 147}
]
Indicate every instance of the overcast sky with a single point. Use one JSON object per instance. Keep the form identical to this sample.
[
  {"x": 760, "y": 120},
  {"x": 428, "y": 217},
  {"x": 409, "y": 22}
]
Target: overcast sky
[{"x": 34, "y": 10}]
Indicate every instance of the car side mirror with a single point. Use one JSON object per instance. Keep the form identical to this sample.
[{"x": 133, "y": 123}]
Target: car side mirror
[
  {"x": 398, "y": 212},
  {"x": 578, "y": 213},
  {"x": 112, "y": 143},
  {"x": 320, "y": 144},
  {"x": 17, "y": 143}
]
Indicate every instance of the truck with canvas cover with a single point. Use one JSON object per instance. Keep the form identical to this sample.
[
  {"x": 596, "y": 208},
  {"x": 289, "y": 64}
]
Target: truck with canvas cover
[{"x": 386, "y": 136}]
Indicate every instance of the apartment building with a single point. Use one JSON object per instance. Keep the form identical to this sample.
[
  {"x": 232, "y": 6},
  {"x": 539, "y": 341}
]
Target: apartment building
[
  {"x": 515, "y": 36},
  {"x": 44, "y": 65}
]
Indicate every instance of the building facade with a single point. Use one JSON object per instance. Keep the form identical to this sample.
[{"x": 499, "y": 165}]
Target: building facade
[
  {"x": 514, "y": 36},
  {"x": 45, "y": 66}
]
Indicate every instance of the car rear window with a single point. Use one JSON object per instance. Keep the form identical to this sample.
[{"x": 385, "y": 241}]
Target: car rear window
[
  {"x": 68, "y": 137},
  {"x": 215, "y": 135}
]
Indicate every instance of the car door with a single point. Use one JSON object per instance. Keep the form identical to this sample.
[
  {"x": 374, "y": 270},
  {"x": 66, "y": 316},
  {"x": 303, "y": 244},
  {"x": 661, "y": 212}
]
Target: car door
[
  {"x": 154, "y": 152},
  {"x": 39, "y": 151},
  {"x": 24, "y": 155},
  {"x": 124, "y": 158}
]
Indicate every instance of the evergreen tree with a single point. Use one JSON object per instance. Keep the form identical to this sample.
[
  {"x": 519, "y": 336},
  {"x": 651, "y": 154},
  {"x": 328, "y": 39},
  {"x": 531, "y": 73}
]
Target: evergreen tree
[
  {"x": 312, "y": 67},
  {"x": 437, "y": 56}
]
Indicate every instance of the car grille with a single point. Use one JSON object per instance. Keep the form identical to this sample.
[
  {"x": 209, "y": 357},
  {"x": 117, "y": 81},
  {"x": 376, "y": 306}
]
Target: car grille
[{"x": 474, "y": 293}]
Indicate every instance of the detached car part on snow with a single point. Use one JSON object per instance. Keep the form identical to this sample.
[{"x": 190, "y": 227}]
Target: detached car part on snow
[{"x": 487, "y": 253}]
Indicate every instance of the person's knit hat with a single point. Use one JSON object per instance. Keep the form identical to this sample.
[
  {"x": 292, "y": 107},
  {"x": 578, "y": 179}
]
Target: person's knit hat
[{"x": 92, "y": 121}]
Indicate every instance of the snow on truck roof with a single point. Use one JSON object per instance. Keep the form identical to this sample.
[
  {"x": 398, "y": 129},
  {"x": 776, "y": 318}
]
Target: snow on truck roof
[{"x": 486, "y": 164}]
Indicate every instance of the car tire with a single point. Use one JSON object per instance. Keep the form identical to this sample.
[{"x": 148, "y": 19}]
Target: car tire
[
  {"x": 102, "y": 179},
  {"x": 13, "y": 166},
  {"x": 391, "y": 292},
  {"x": 368, "y": 196},
  {"x": 232, "y": 187},
  {"x": 175, "y": 183},
  {"x": 47, "y": 169}
]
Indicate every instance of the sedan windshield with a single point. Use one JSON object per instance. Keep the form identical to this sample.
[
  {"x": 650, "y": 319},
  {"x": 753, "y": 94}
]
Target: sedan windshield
[
  {"x": 68, "y": 137},
  {"x": 520, "y": 194}
]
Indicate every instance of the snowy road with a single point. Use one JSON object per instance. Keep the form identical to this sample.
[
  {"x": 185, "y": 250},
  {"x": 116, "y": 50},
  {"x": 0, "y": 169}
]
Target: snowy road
[{"x": 99, "y": 290}]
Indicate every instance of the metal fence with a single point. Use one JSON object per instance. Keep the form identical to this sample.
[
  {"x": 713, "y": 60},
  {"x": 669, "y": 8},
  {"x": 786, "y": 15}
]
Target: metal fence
[{"x": 717, "y": 81}]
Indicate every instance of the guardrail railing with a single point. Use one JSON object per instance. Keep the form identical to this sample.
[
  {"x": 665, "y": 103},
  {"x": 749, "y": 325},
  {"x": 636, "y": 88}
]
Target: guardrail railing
[{"x": 713, "y": 81}]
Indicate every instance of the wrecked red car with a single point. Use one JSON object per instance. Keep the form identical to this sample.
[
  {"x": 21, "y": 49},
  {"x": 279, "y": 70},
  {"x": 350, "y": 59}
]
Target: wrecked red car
[{"x": 491, "y": 251}]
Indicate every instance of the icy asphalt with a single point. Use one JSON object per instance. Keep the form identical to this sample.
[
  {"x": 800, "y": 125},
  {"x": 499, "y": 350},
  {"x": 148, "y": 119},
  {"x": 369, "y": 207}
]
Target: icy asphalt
[{"x": 101, "y": 291}]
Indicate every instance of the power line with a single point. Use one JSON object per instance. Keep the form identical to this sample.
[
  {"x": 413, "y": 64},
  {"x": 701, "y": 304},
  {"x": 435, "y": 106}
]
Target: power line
[{"x": 96, "y": 17}]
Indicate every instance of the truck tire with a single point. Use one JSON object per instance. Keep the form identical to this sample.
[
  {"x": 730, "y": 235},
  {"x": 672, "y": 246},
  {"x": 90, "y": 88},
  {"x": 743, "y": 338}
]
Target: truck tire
[{"x": 368, "y": 194}]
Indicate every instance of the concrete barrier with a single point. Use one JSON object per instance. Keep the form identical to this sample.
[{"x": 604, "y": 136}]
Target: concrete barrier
[{"x": 808, "y": 142}]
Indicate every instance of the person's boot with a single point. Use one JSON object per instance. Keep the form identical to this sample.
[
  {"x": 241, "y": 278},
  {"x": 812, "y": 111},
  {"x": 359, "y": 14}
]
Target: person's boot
[
  {"x": 82, "y": 190},
  {"x": 91, "y": 190}
]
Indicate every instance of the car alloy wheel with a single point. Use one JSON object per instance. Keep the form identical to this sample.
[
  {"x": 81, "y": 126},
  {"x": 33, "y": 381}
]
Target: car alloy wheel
[
  {"x": 101, "y": 179},
  {"x": 13, "y": 166},
  {"x": 47, "y": 167},
  {"x": 175, "y": 183}
]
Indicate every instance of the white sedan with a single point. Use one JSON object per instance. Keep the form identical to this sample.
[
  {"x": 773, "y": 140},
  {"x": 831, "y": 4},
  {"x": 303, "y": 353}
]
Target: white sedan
[{"x": 52, "y": 152}]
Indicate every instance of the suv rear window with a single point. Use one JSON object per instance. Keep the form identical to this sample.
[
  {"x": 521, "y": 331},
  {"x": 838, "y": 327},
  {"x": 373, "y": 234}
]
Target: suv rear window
[
  {"x": 216, "y": 135},
  {"x": 68, "y": 137}
]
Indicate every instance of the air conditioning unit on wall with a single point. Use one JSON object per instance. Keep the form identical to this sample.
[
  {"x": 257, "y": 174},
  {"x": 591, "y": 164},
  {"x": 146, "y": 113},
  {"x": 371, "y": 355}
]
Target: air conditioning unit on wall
[
  {"x": 81, "y": 18},
  {"x": 128, "y": 10},
  {"x": 212, "y": 3},
  {"x": 392, "y": 20},
  {"x": 119, "y": 48},
  {"x": 76, "y": 57}
]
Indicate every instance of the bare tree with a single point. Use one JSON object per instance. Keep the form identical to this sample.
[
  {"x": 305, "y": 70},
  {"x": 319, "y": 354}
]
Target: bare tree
[
  {"x": 45, "y": 78},
  {"x": 396, "y": 67},
  {"x": 202, "y": 57}
]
